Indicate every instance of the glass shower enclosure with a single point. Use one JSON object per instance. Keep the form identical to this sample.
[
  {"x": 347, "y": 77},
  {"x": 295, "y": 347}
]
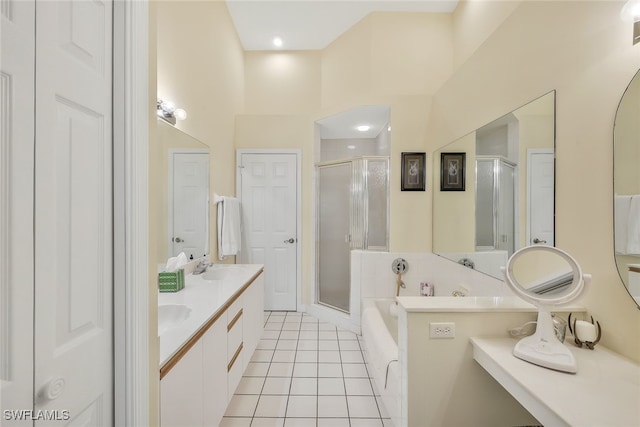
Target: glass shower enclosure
[{"x": 352, "y": 212}]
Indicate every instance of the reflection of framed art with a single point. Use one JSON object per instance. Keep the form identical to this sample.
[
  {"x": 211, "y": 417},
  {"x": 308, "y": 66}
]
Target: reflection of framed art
[
  {"x": 413, "y": 172},
  {"x": 452, "y": 171}
]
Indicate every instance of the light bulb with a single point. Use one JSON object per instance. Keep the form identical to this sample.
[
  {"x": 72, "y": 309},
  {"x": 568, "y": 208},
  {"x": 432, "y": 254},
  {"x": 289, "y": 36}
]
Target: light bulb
[
  {"x": 631, "y": 11},
  {"x": 363, "y": 128},
  {"x": 180, "y": 114},
  {"x": 277, "y": 41}
]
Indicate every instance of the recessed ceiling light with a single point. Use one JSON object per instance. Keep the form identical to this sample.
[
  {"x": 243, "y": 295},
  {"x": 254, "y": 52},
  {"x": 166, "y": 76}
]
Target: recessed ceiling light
[
  {"x": 363, "y": 128},
  {"x": 351, "y": 147},
  {"x": 277, "y": 41}
]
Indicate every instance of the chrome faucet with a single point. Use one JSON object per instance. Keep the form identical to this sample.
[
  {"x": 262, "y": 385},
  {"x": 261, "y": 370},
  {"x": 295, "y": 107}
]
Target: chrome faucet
[{"x": 201, "y": 267}]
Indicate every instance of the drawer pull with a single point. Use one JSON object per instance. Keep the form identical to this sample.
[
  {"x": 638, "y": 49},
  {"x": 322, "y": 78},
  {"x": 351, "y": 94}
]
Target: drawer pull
[
  {"x": 235, "y": 356},
  {"x": 235, "y": 319}
]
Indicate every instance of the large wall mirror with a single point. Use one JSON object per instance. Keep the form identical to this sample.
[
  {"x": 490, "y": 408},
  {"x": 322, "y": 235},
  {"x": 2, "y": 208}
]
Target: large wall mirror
[
  {"x": 182, "y": 184},
  {"x": 505, "y": 199},
  {"x": 626, "y": 181}
]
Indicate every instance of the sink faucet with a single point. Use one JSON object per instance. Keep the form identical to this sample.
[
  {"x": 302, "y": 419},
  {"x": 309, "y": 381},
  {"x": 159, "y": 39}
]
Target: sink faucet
[{"x": 201, "y": 267}]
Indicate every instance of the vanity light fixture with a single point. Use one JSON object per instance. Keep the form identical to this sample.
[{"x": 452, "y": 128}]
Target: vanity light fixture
[
  {"x": 363, "y": 128},
  {"x": 631, "y": 13},
  {"x": 277, "y": 42},
  {"x": 168, "y": 112}
]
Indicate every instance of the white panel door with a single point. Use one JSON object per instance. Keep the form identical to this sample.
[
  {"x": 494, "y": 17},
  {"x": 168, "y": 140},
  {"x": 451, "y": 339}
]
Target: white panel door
[
  {"x": 74, "y": 214},
  {"x": 17, "y": 70},
  {"x": 268, "y": 185},
  {"x": 540, "y": 197},
  {"x": 190, "y": 204}
]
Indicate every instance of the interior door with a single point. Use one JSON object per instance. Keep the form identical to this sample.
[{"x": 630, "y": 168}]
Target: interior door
[
  {"x": 17, "y": 70},
  {"x": 189, "y": 203},
  {"x": 540, "y": 201},
  {"x": 268, "y": 195},
  {"x": 73, "y": 370}
]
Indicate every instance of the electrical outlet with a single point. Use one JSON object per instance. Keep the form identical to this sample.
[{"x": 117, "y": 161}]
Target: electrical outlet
[{"x": 442, "y": 330}]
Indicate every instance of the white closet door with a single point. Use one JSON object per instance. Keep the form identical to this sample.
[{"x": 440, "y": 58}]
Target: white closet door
[
  {"x": 17, "y": 28},
  {"x": 73, "y": 212}
]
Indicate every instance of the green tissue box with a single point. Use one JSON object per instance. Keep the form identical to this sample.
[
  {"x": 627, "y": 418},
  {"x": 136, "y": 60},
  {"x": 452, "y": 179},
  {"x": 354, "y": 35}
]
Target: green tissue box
[{"x": 171, "y": 281}]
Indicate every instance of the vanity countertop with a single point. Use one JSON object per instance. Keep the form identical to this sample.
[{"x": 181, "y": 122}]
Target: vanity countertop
[
  {"x": 604, "y": 392},
  {"x": 205, "y": 299},
  {"x": 473, "y": 304}
]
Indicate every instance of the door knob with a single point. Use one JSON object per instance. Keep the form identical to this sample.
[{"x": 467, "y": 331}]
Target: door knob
[
  {"x": 536, "y": 240},
  {"x": 52, "y": 389},
  {"x": 178, "y": 240},
  {"x": 291, "y": 240}
]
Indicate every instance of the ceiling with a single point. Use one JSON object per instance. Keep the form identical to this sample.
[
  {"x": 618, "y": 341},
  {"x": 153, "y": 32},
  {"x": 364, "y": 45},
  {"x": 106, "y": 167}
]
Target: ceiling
[{"x": 312, "y": 24}]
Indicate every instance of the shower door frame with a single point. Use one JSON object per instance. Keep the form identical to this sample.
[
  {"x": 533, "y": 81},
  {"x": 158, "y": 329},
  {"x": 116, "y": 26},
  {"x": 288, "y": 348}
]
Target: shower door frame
[{"x": 364, "y": 203}]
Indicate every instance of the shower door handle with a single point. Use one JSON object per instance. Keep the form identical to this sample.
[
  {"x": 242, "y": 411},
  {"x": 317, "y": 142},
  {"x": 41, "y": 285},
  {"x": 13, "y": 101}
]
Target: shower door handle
[
  {"x": 291, "y": 240},
  {"x": 536, "y": 240}
]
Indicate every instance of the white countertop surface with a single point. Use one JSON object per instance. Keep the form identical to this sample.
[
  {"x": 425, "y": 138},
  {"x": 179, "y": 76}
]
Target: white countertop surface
[
  {"x": 205, "y": 298},
  {"x": 605, "y": 392},
  {"x": 474, "y": 304}
]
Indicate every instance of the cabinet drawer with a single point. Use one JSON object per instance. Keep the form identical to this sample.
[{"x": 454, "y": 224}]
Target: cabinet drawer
[
  {"x": 233, "y": 310},
  {"x": 234, "y": 337},
  {"x": 234, "y": 372}
]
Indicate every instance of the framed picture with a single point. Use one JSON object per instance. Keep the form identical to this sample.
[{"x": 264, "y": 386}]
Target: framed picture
[
  {"x": 452, "y": 171},
  {"x": 413, "y": 172}
]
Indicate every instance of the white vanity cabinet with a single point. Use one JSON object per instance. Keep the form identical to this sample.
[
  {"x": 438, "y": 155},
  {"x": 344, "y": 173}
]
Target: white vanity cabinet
[{"x": 199, "y": 380}]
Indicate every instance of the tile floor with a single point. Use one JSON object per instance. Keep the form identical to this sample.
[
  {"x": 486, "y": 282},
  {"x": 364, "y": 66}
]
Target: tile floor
[{"x": 306, "y": 373}]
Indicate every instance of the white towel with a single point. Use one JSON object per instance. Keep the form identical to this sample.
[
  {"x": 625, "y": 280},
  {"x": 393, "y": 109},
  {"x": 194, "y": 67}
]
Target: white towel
[
  {"x": 228, "y": 227},
  {"x": 633, "y": 227},
  {"x": 621, "y": 213}
]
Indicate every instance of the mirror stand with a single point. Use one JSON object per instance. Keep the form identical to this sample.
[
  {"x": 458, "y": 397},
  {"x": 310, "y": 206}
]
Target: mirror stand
[{"x": 543, "y": 348}]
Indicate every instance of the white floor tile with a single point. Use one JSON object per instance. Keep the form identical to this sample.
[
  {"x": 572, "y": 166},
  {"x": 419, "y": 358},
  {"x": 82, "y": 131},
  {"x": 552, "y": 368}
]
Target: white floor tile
[
  {"x": 291, "y": 326},
  {"x": 271, "y": 326},
  {"x": 278, "y": 385},
  {"x": 332, "y": 407},
  {"x": 267, "y": 344},
  {"x": 333, "y": 422},
  {"x": 307, "y": 345},
  {"x": 329, "y": 370},
  {"x": 270, "y": 335},
  {"x": 307, "y": 356},
  {"x": 289, "y": 335},
  {"x": 308, "y": 335},
  {"x": 324, "y": 326},
  {"x": 363, "y": 407},
  {"x": 365, "y": 422},
  {"x": 355, "y": 370},
  {"x": 349, "y": 345},
  {"x": 347, "y": 336},
  {"x": 302, "y": 406},
  {"x": 235, "y": 422},
  {"x": 382, "y": 408},
  {"x": 328, "y": 345},
  {"x": 387, "y": 422},
  {"x": 305, "y": 370},
  {"x": 286, "y": 345},
  {"x": 256, "y": 369},
  {"x": 300, "y": 422},
  {"x": 250, "y": 385},
  {"x": 242, "y": 405},
  {"x": 271, "y": 406},
  {"x": 306, "y": 318},
  {"x": 330, "y": 356},
  {"x": 351, "y": 356},
  {"x": 327, "y": 335},
  {"x": 304, "y": 386},
  {"x": 308, "y": 326},
  {"x": 267, "y": 422},
  {"x": 358, "y": 386},
  {"x": 280, "y": 370},
  {"x": 284, "y": 356},
  {"x": 262, "y": 356},
  {"x": 331, "y": 387}
]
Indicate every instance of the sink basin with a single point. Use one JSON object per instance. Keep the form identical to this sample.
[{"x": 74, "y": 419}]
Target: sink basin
[
  {"x": 170, "y": 315},
  {"x": 215, "y": 274}
]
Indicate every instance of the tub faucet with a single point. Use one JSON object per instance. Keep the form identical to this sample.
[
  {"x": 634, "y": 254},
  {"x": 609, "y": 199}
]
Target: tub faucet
[{"x": 201, "y": 267}]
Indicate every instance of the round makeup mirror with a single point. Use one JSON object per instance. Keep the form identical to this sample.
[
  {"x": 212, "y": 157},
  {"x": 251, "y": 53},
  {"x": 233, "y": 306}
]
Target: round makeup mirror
[{"x": 547, "y": 277}]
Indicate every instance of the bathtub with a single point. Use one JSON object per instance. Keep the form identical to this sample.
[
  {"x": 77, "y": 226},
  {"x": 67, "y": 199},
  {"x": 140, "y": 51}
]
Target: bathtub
[{"x": 380, "y": 337}]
